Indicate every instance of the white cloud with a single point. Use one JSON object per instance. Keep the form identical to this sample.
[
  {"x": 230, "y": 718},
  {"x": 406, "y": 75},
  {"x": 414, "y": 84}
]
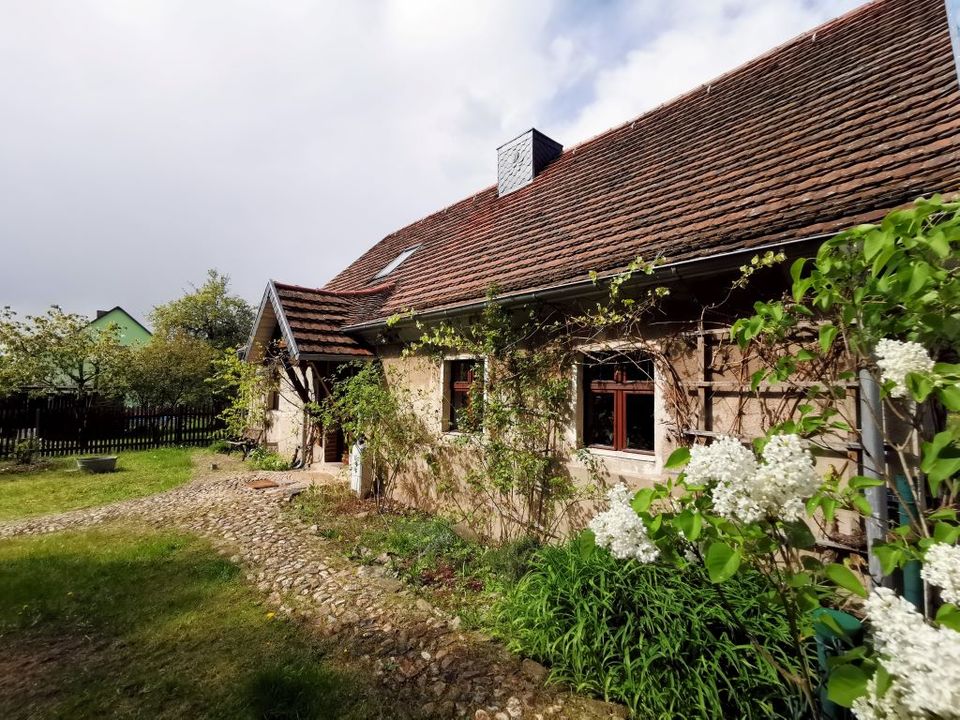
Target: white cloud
[
  {"x": 141, "y": 142},
  {"x": 696, "y": 43}
]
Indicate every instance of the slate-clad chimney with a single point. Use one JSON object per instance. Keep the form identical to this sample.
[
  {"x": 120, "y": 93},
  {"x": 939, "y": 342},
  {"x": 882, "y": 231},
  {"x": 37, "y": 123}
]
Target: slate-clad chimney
[{"x": 523, "y": 158}]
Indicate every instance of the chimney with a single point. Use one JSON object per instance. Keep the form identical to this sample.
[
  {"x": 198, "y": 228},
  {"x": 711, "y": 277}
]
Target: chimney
[
  {"x": 523, "y": 158},
  {"x": 101, "y": 313}
]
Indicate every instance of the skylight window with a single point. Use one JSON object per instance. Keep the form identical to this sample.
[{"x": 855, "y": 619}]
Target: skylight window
[{"x": 395, "y": 263}]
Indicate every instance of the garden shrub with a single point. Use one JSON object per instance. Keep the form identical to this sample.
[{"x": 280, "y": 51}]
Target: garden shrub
[
  {"x": 220, "y": 446},
  {"x": 263, "y": 459},
  {"x": 653, "y": 637},
  {"x": 25, "y": 451}
]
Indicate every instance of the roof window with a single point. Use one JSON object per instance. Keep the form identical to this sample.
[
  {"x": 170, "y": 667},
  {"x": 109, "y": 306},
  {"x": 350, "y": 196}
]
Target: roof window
[{"x": 395, "y": 263}]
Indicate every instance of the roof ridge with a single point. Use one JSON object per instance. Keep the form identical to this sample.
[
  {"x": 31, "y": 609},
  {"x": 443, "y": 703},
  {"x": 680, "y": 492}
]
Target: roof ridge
[{"x": 573, "y": 149}]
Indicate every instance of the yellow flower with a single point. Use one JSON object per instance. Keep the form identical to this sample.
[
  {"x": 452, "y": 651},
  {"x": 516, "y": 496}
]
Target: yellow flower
[{"x": 271, "y": 615}]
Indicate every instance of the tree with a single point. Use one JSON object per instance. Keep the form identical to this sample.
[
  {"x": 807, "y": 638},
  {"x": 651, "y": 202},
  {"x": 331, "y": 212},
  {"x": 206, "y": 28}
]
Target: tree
[
  {"x": 54, "y": 351},
  {"x": 171, "y": 370},
  {"x": 208, "y": 313}
]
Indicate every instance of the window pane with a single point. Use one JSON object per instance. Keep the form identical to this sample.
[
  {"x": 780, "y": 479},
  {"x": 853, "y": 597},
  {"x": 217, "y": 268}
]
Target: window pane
[
  {"x": 639, "y": 422},
  {"x": 599, "y": 419},
  {"x": 459, "y": 402},
  {"x": 460, "y": 370},
  {"x": 600, "y": 372},
  {"x": 637, "y": 367}
]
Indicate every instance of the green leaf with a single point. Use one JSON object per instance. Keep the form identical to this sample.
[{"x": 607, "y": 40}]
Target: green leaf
[
  {"x": 859, "y": 482},
  {"x": 846, "y": 684},
  {"x": 889, "y": 557},
  {"x": 678, "y": 458},
  {"x": 842, "y": 576},
  {"x": 828, "y": 333},
  {"x": 946, "y": 533},
  {"x": 941, "y": 459},
  {"x": 690, "y": 523},
  {"x": 873, "y": 243},
  {"x": 722, "y": 562},
  {"x": 919, "y": 385},
  {"x": 949, "y": 616},
  {"x": 796, "y": 269},
  {"x": 586, "y": 543},
  {"x": 799, "y": 535},
  {"x": 950, "y": 397},
  {"x": 641, "y": 501}
]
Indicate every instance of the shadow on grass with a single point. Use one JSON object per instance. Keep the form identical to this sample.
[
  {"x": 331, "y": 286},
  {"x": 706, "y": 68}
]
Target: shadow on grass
[{"x": 123, "y": 622}]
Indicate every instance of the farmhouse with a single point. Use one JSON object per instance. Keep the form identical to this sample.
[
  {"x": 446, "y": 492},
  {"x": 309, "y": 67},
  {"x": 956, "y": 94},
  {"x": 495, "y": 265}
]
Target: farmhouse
[{"x": 832, "y": 129}]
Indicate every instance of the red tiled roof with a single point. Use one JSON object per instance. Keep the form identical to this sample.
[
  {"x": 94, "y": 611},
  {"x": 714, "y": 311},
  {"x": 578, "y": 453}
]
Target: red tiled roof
[
  {"x": 831, "y": 129},
  {"x": 315, "y": 317}
]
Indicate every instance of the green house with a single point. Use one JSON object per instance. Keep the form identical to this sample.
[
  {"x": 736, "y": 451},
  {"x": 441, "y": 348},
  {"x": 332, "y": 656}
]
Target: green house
[{"x": 131, "y": 331}]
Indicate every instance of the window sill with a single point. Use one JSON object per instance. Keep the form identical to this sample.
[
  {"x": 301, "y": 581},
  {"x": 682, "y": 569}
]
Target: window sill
[
  {"x": 454, "y": 435},
  {"x": 643, "y": 457}
]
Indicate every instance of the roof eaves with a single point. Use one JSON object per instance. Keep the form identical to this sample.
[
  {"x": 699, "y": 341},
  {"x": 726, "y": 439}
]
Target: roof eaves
[
  {"x": 270, "y": 296},
  {"x": 292, "y": 348}
]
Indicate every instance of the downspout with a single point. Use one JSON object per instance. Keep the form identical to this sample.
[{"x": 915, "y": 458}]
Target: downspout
[{"x": 873, "y": 461}]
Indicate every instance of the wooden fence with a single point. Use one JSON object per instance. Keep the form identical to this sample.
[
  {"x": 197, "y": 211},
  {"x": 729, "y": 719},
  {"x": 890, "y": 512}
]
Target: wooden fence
[{"x": 67, "y": 425}]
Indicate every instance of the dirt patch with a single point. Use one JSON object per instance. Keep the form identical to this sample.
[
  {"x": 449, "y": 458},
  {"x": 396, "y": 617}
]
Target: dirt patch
[
  {"x": 262, "y": 484},
  {"x": 29, "y": 668}
]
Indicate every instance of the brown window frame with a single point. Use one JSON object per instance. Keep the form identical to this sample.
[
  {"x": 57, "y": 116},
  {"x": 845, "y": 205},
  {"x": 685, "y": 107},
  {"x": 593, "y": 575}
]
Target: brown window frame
[
  {"x": 620, "y": 388},
  {"x": 459, "y": 388}
]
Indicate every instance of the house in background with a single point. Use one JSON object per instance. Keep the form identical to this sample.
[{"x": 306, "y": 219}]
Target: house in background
[
  {"x": 832, "y": 129},
  {"x": 130, "y": 330}
]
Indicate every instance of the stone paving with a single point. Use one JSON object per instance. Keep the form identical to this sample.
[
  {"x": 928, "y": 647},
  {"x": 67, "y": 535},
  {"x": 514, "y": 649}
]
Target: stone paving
[{"x": 414, "y": 650}]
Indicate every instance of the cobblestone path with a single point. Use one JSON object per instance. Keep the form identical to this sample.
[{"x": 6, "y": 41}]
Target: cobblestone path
[{"x": 414, "y": 651}]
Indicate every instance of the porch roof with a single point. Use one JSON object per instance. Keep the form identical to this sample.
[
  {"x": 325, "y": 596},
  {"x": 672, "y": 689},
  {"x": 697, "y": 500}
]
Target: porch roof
[{"x": 309, "y": 321}]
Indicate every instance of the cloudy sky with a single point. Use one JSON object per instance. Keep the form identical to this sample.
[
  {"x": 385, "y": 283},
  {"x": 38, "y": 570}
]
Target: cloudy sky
[{"x": 142, "y": 142}]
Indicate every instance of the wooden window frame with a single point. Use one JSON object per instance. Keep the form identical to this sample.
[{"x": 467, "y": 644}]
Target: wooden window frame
[
  {"x": 620, "y": 388},
  {"x": 459, "y": 387}
]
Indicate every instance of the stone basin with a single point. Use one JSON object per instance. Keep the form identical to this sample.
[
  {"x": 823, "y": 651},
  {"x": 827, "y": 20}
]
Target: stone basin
[{"x": 100, "y": 464}]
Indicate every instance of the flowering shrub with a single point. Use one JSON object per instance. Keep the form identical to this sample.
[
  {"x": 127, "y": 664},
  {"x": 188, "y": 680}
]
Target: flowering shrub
[
  {"x": 882, "y": 304},
  {"x": 941, "y": 567},
  {"x": 898, "y": 359},
  {"x": 919, "y": 665},
  {"x": 746, "y": 491},
  {"x": 621, "y": 530}
]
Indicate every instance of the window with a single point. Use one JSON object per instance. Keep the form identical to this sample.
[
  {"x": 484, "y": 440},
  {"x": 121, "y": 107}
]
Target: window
[
  {"x": 395, "y": 263},
  {"x": 273, "y": 400},
  {"x": 461, "y": 393},
  {"x": 618, "y": 403}
]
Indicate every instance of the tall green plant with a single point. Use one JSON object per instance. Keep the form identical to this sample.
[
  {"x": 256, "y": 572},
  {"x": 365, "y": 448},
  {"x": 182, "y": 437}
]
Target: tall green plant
[
  {"x": 655, "y": 638},
  {"x": 369, "y": 409}
]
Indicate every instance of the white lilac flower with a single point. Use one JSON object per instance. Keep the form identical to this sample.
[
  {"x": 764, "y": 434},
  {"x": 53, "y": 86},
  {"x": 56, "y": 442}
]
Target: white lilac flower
[
  {"x": 621, "y": 531},
  {"x": 897, "y": 359},
  {"x": 746, "y": 491},
  {"x": 941, "y": 567},
  {"x": 923, "y": 663}
]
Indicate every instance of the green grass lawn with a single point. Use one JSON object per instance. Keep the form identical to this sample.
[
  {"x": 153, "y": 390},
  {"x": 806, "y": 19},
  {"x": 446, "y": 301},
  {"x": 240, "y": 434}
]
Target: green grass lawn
[
  {"x": 128, "y": 623},
  {"x": 61, "y": 486}
]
